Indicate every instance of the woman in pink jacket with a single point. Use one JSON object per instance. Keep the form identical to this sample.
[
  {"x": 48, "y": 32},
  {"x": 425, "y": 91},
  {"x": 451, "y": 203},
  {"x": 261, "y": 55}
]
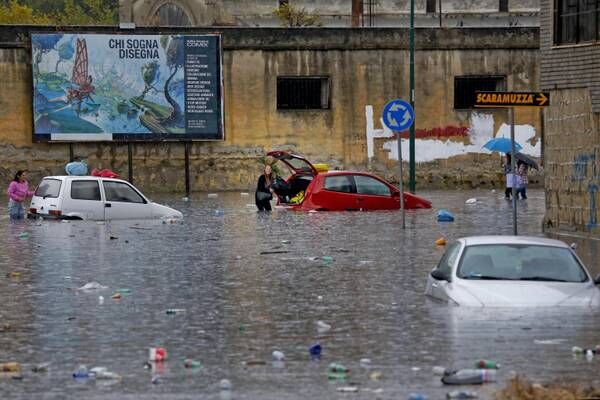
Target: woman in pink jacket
[{"x": 18, "y": 191}]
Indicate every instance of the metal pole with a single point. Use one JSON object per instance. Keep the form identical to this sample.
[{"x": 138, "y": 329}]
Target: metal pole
[
  {"x": 440, "y": 13},
  {"x": 130, "y": 162},
  {"x": 412, "y": 183},
  {"x": 514, "y": 171},
  {"x": 401, "y": 179},
  {"x": 71, "y": 156},
  {"x": 187, "y": 169}
]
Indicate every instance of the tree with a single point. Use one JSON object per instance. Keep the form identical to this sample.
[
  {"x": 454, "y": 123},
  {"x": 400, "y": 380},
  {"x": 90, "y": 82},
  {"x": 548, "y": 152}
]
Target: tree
[
  {"x": 15, "y": 13},
  {"x": 65, "y": 52},
  {"x": 42, "y": 44},
  {"x": 294, "y": 17},
  {"x": 150, "y": 74},
  {"x": 173, "y": 46}
]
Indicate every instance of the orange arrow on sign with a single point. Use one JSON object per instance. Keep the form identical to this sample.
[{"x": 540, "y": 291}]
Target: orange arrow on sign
[{"x": 542, "y": 99}]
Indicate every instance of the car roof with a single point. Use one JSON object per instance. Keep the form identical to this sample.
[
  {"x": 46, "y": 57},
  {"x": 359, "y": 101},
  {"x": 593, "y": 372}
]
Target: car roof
[
  {"x": 508, "y": 239},
  {"x": 90, "y": 177}
]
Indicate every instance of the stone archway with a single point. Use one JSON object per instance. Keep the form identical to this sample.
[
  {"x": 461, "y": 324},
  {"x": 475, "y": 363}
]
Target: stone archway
[{"x": 171, "y": 13}]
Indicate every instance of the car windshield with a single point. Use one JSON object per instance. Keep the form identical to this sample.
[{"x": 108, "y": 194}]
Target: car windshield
[
  {"x": 520, "y": 262},
  {"x": 48, "y": 188}
]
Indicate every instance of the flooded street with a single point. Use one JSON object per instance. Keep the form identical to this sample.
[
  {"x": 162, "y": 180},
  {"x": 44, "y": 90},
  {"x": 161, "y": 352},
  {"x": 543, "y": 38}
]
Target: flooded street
[{"x": 240, "y": 305}]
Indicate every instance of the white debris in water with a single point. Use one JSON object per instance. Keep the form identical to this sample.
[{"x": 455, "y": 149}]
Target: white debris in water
[
  {"x": 213, "y": 195},
  {"x": 92, "y": 286},
  {"x": 322, "y": 326},
  {"x": 471, "y": 201}
]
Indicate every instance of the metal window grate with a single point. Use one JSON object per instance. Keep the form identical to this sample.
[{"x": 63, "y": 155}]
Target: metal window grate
[
  {"x": 503, "y": 6},
  {"x": 302, "y": 93},
  {"x": 466, "y": 86}
]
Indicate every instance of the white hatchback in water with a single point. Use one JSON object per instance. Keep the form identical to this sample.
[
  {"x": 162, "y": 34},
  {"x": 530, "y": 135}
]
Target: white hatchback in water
[
  {"x": 94, "y": 198},
  {"x": 512, "y": 271}
]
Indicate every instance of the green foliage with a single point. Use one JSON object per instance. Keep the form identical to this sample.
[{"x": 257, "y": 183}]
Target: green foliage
[
  {"x": 59, "y": 12},
  {"x": 14, "y": 13},
  {"x": 296, "y": 17}
]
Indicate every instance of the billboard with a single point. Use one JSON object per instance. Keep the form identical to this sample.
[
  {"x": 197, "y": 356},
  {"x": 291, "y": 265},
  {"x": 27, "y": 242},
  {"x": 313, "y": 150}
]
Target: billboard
[{"x": 97, "y": 87}]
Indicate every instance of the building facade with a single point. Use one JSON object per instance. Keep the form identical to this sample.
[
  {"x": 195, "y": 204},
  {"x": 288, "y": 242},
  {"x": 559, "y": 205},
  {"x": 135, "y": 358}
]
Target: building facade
[
  {"x": 332, "y": 13},
  {"x": 570, "y": 70}
]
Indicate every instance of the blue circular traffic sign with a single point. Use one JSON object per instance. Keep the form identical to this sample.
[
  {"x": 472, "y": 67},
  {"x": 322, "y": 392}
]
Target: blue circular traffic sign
[{"x": 398, "y": 115}]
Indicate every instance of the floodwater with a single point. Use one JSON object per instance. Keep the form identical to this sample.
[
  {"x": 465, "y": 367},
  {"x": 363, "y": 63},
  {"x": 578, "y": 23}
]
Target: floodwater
[{"x": 241, "y": 305}]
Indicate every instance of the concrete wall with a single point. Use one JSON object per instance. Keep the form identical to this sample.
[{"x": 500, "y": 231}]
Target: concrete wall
[
  {"x": 338, "y": 13},
  {"x": 366, "y": 67}
]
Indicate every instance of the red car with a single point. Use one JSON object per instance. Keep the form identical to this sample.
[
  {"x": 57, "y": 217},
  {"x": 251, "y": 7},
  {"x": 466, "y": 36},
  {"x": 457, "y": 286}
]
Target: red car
[{"x": 312, "y": 187}]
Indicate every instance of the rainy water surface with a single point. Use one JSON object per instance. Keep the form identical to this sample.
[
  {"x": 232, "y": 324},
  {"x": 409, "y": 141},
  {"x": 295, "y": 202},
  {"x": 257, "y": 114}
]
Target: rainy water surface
[{"x": 247, "y": 284}]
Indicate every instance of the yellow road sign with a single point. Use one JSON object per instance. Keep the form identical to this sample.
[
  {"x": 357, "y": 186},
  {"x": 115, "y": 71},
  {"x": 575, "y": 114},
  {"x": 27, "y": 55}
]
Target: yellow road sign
[{"x": 512, "y": 99}]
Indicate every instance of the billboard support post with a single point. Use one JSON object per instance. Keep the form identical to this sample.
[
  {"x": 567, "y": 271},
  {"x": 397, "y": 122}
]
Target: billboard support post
[
  {"x": 71, "y": 156},
  {"x": 130, "y": 162},
  {"x": 187, "y": 169}
]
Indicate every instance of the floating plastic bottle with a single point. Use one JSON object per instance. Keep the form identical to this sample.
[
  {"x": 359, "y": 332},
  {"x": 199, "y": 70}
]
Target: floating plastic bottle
[
  {"x": 470, "y": 377},
  {"x": 337, "y": 376},
  {"x": 441, "y": 371},
  {"x": 322, "y": 327},
  {"x": 189, "y": 363},
  {"x": 10, "y": 367},
  {"x": 81, "y": 372},
  {"x": 487, "y": 364},
  {"x": 225, "y": 384},
  {"x": 461, "y": 394},
  {"x": 315, "y": 351},
  {"x": 173, "y": 311},
  {"x": 335, "y": 367}
]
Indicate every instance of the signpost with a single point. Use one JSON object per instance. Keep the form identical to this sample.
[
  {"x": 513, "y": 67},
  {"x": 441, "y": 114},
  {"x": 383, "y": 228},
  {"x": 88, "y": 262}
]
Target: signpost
[
  {"x": 512, "y": 100},
  {"x": 398, "y": 115}
]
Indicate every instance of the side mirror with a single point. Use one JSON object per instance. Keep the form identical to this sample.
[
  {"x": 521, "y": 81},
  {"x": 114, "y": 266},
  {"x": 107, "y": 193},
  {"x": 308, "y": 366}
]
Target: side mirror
[
  {"x": 597, "y": 279},
  {"x": 438, "y": 275}
]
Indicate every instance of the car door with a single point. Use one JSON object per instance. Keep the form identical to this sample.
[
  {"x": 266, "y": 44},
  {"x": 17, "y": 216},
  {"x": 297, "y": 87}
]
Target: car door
[
  {"x": 373, "y": 194},
  {"x": 123, "y": 201},
  {"x": 83, "y": 200},
  {"x": 338, "y": 194},
  {"x": 438, "y": 288}
]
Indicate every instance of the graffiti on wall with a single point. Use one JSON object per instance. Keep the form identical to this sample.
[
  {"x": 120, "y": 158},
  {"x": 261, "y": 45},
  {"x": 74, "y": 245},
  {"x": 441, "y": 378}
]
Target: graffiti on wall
[{"x": 446, "y": 142}]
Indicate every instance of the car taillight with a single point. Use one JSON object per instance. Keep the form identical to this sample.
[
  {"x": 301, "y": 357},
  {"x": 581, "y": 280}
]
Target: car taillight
[
  {"x": 33, "y": 210},
  {"x": 55, "y": 212}
]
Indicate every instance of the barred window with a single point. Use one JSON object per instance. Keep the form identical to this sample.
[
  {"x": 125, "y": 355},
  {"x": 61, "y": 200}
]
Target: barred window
[
  {"x": 466, "y": 86},
  {"x": 430, "y": 6},
  {"x": 576, "y": 21},
  {"x": 503, "y": 6},
  {"x": 302, "y": 92}
]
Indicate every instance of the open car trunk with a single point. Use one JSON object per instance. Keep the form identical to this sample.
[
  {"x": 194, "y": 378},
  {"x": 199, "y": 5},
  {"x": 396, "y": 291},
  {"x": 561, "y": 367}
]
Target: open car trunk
[{"x": 291, "y": 191}]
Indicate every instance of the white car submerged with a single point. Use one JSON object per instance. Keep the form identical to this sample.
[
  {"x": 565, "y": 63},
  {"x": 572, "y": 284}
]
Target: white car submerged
[
  {"x": 94, "y": 198},
  {"x": 512, "y": 271}
]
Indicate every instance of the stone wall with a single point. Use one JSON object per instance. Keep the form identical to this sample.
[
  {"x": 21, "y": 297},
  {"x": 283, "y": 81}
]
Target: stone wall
[
  {"x": 366, "y": 67},
  {"x": 572, "y": 157}
]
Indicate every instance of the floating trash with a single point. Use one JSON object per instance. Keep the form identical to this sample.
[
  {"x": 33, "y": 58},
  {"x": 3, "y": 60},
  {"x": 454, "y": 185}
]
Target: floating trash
[
  {"x": 471, "y": 201},
  {"x": 440, "y": 242},
  {"x": 445, "y": 216},
  {"x": 92, "y": 286}
]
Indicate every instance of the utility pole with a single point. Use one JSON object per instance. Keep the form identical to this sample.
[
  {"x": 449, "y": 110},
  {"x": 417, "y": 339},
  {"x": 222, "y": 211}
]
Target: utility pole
[{"x": 412, "y": 183}]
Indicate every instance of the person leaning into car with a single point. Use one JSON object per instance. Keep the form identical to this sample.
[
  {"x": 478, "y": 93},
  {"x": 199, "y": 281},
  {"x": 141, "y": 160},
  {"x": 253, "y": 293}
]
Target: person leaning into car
[
  {"x": 264, "y": 193},
  {"x": 18, "y": 191}
]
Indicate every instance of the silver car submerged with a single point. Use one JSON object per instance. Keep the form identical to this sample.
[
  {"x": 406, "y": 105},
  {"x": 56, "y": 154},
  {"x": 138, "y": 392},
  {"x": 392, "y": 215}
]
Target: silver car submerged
[{"x": 512, "y": 271}]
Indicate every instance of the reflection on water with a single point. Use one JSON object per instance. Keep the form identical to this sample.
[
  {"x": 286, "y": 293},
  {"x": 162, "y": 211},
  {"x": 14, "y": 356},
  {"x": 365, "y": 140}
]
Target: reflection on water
[{"x": 241, "y": 305}]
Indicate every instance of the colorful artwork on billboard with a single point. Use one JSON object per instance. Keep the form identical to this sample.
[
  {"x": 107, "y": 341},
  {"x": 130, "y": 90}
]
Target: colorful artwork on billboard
[{"x": 126, "y": 87}]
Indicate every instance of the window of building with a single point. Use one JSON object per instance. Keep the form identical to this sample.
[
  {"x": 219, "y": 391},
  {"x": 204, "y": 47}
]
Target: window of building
[
  {"x": 466, "y": 86},
  {"x": 85, "y": 190},
  {"x": 302, "y": 92},
  {"x": 576, "y": 21},
  {"x": 430, "y": 6},
  {"x": 503, "y": 6},
  {"x": 117, "y": 191}
]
